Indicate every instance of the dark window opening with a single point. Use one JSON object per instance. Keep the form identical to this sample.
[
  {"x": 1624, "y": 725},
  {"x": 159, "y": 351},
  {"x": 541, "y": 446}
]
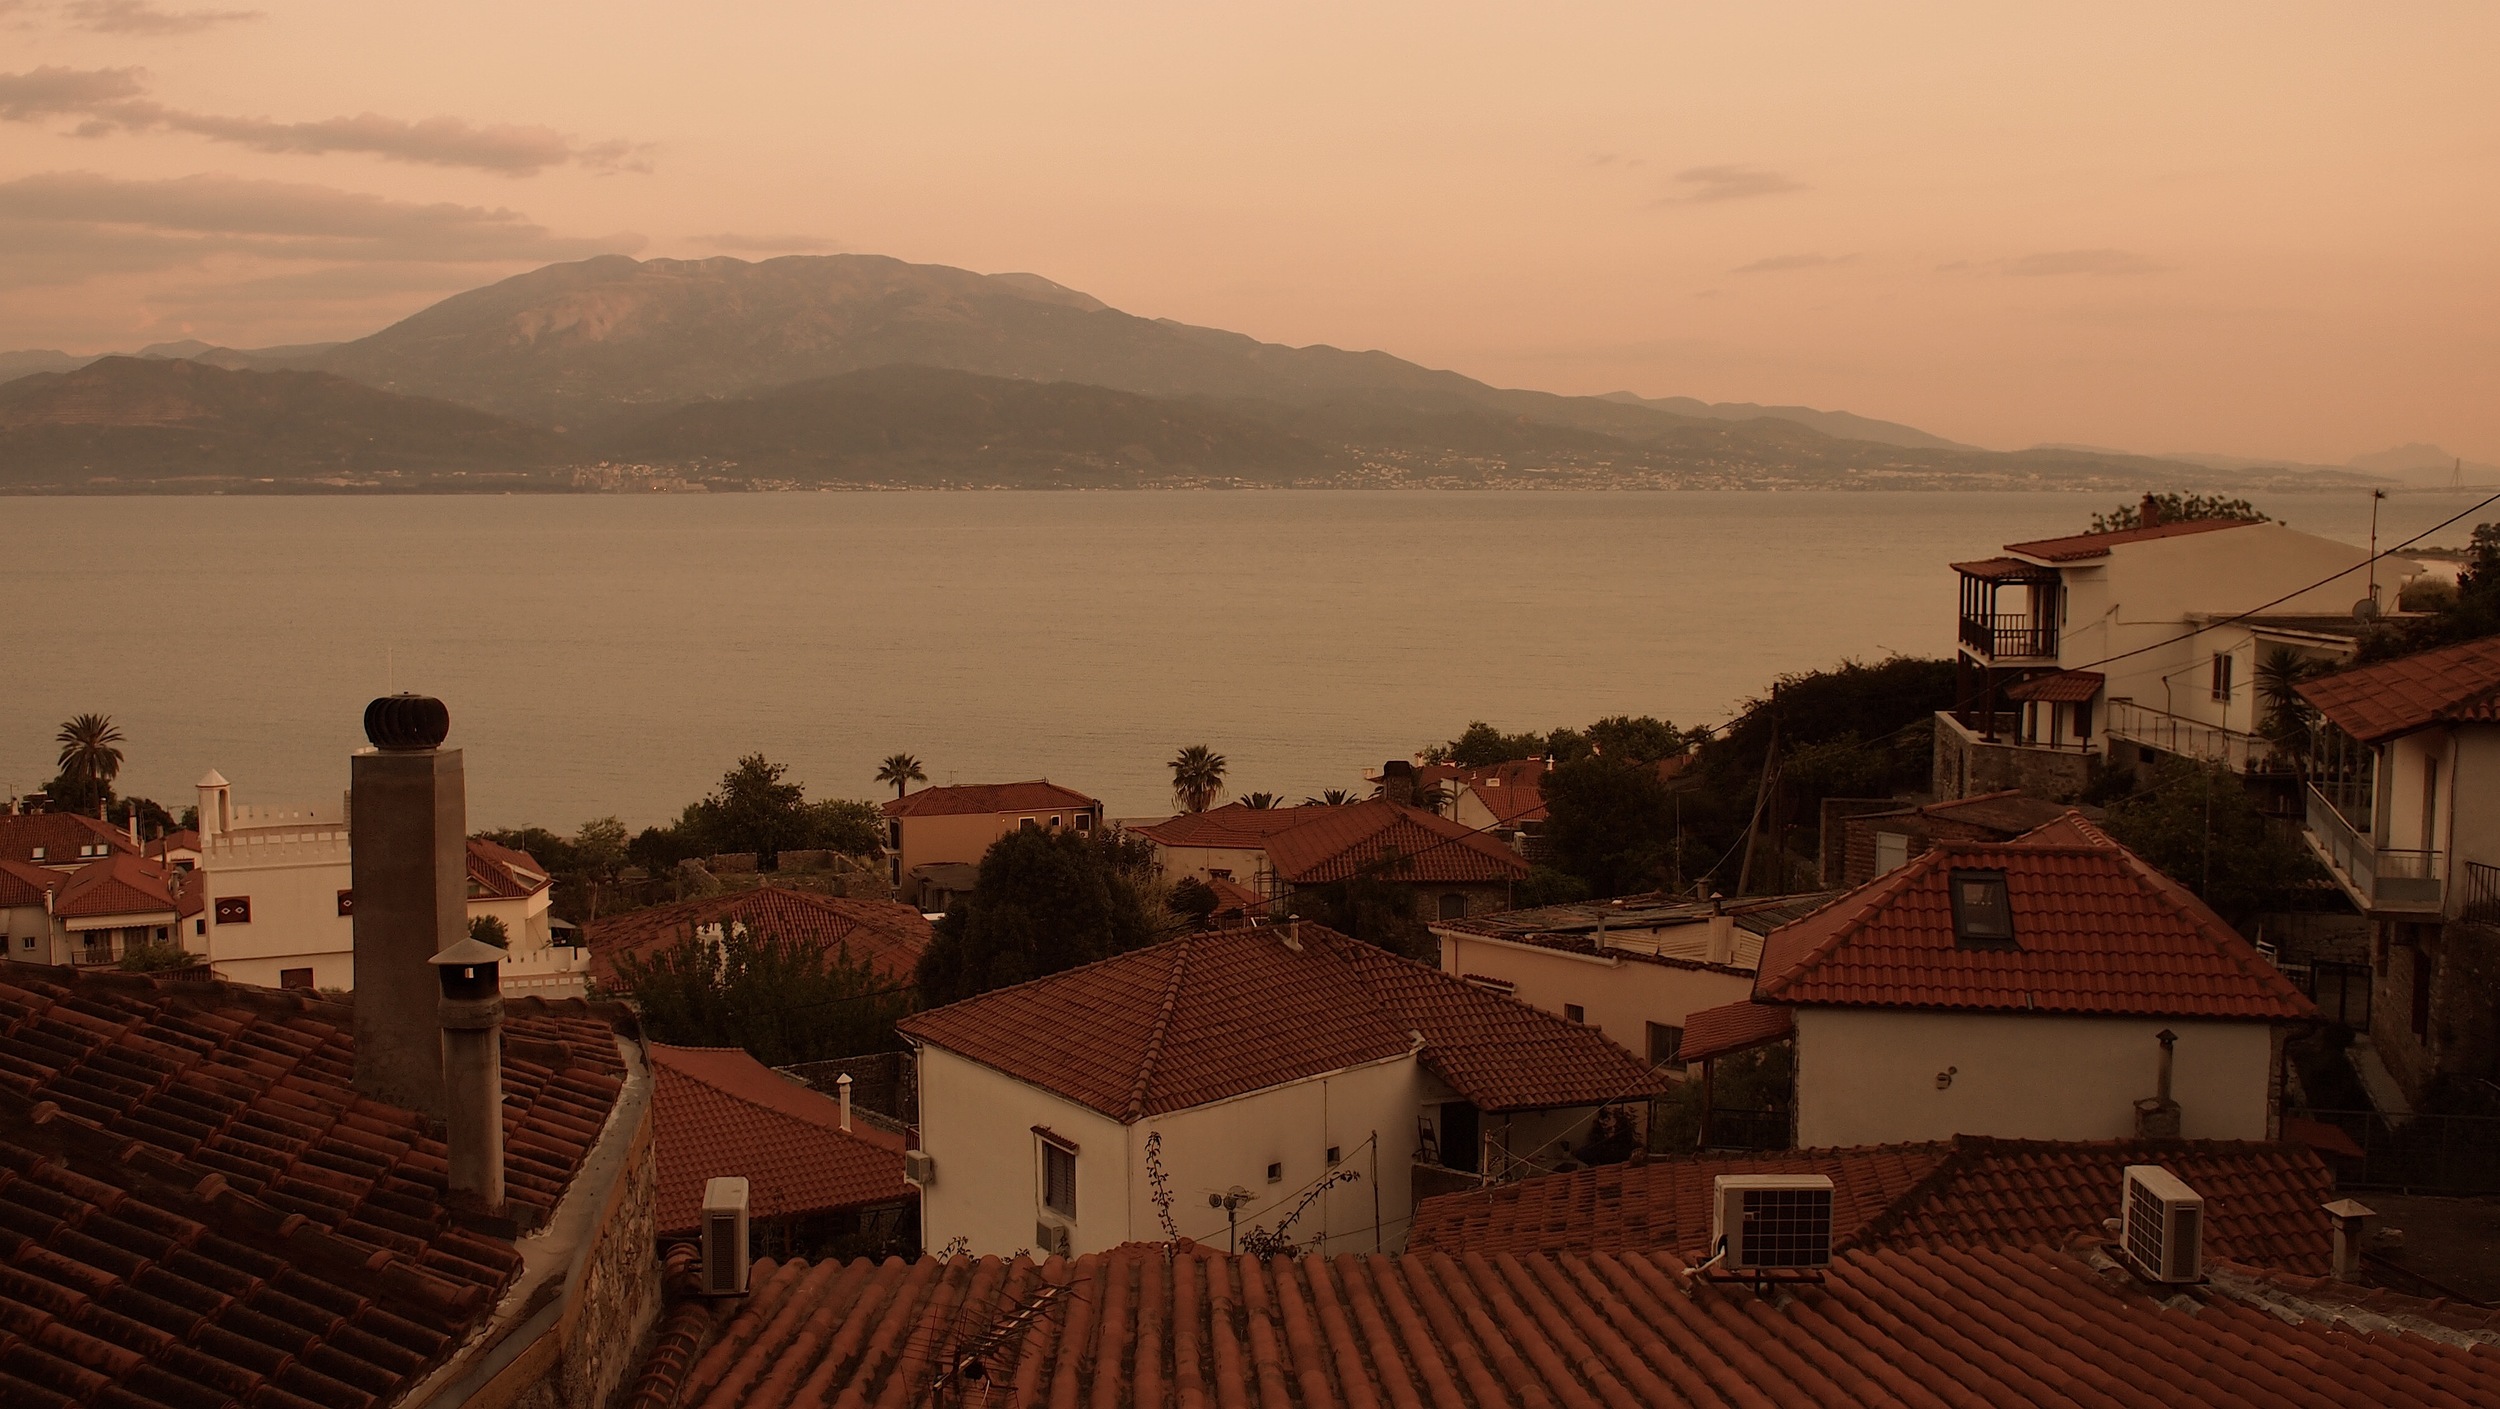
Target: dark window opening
[
  {"x": 2421, "y": 993},
  {"x": 1059, "y": 1179},
  {"x": 1332, "y": 1157},
  {"x": 1462, "y": 1136},
  {"x": 1454, "y": 907},
  {"x": 1982, "y": 912},
  {"x": 295, "y": 978},
  {"x": 1666, "y": 1046},
  {"x": 1276, "y": 1172},
  {"x": 2222, "y": 678},
  {"x": 1575, "y": 1013}
]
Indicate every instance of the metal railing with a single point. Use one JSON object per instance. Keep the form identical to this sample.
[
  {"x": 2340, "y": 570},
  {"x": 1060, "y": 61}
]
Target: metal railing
[
  {"x": 2482, "y": 894},
  {"x": 2010, "y": 636},
  {"x": 2187, "y": 738},
  {"x": 2416, "y": 1154},
  {"x": 2381, "y": 878}
]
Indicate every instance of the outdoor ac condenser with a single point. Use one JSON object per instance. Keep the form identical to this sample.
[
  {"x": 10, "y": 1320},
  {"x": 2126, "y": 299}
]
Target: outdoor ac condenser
[
  {"x": 919, "y": 1167},
  {"x": 1053, "y": 1240},
  {"x": 725, "y": 1237},
  {"x": 1772, "y": 1222},
  {"x": 2162, "y": 1225}
]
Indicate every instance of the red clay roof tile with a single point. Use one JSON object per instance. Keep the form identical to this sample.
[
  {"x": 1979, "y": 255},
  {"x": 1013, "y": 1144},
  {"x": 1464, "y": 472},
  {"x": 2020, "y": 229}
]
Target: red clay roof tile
[
  {"x": 2082, "y": 546},
  {"x": 1233, "y": 827},
  {"x": 1194, "y": 1020},
  {"x": 717, "y": 1111},
  {"x": 962, "y": 799},
  {"x": 61, "y": 836},
  {"x": 120, "y": 884},
  {"x": 1393, "y": 842},
  {"x": 2452, "y": 685}
]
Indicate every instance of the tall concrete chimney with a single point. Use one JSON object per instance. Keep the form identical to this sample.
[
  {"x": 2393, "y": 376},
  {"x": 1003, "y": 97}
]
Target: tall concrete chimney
[
  {"x": 844, "y": 1082},
  {"x": 470, "y": 1009},
  {"x": 408, "y": 826}
]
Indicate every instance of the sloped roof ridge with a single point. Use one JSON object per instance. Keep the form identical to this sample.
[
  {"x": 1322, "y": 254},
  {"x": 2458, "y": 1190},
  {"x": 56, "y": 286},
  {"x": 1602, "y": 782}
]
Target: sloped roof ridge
[
  {"x": 1769, "y": 985},
  {"x": 2230, "y": 943},
  {"x": 1153, "y": 1053}
]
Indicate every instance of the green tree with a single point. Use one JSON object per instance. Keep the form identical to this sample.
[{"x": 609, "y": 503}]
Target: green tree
[
  {"x": 1197, "y": 778},
  {"x": 902, "y": 770},
  {"x": 1480, "y": 745},
  {"x": 154, "y": 820},
  {"x": 2469, "y": 614},
  {"x": 157, "y": 957},
  {"x": 1261, "y": 801},
  {"x": 598, "y": 857},
  {"x": 2176, "y": 508},
  {"x": 1331, "y": 797},
  {"x": 781, "y": 999},
  {"x": 2289, "y": 720},
  {"x": 2197, "y": 824},
  {"x": 1610, "y": 823},
  {"x": 486, "y": 929},
  {"x": 1642, "y": 740},
  {"x": 1041, "y": 902},
  {"x": 1193, "y": 900},
  {"x": 90, "y": 759},
  {"x": 1375, "y": 906},
  {"x": 846, "y": 825}
]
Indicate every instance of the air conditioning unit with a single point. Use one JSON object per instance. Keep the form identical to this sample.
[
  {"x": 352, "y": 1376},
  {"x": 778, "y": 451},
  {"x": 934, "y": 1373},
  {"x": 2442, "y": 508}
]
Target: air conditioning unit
[
  {"x": 725, "y": 1237},
  {"x": 920, "y": 1167},
  {"x": 2161, "y": 1225},
  {"x": 1053, "y": 1240},
  {"x": 1771, "y": 1222}
]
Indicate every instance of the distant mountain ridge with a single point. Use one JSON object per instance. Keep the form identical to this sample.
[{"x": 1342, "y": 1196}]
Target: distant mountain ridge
[{"x": 1841, "y": 425}]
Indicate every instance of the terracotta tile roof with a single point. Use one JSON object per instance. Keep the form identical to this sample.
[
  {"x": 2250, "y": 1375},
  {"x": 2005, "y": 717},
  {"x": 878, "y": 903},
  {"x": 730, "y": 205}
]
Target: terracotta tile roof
[
  {"x": 502, "y": 873},
  {"x": 2452, "y": 685},
  {"x": 1232, "y": 827},
  {"x": 1657, "y": 928},
  {"x": 2081, "y": 546},
  {"x": 1215, "y": 1014},
  {"x": 2096, "y": 931},
  {"x": 1347, "y": 841},
  {"x": 884, "y": 934},
  {"x": 1997, "y": 567},
  {"x": 1962, "y": 1327},
  {"x": 955, "y": 800},
  {"x": 717, "y": 1111},
  {"x": 120, "y": 884},
  {"x": 1513, "y": 792},
  {"x": 59, "y": 835},
  {"x": 23, "y": 883},
  {"x": 1733, "y": 1027},
  {"x": 2065, "y": 687},
  {"x": 1237, "y": 902},
  {"x": 2264, "y": 1203},
  {"x": 197, "y": 1208}
]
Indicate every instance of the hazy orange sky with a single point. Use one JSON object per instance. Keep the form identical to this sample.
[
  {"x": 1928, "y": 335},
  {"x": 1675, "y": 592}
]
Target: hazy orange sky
[{"x": 2255, "y": 229}]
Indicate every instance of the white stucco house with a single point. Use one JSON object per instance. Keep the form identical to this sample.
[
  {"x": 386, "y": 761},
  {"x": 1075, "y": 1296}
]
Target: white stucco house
[
  {"x": 1634, "y": 968},
  {"x": 1311, "y": 1082},
  {"x": 2130, "y": 644},
  {"x": 2039, "y": 989}
]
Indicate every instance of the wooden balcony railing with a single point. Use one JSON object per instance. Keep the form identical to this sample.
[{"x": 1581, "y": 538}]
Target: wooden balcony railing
[{"x": 2010, "y": 636}]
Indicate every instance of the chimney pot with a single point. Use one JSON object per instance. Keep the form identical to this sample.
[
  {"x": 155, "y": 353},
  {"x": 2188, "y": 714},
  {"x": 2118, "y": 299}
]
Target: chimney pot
[
  {"x": 843, "y": 1084},
  {"x": 471, "y": 1013},
  {"x": 2352, "y": 1223}
]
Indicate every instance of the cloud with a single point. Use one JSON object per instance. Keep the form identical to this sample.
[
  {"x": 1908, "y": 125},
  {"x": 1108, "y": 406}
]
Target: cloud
[
  {"x": 1708, "y": 184},
  {"x": 2057, "y": 262},
  {"x": 1781, "y": 262},
  {"x": 769, "y": 244},
  {"x": 140, "y": 17},
  {"x": 112, "y": 100},
  {"x": 66, "y": 227}
]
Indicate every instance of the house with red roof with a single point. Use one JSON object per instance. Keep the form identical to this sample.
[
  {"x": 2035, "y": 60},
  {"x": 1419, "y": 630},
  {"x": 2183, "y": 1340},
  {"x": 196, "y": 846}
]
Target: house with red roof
[
  {"x": 2403, "y": 807},
  {"x": 2051, "y": 988},
  {"x": 1860, "y": 845},
  {"x": 955, "y": 824},
  {"x": 59, "y": 841},
  {"x": 1445, "y": 869},
  {"x": 2129, "y": 645},
  {"x": 1308, "y": 1081},
  {"x": 820, "y": 1178},
  {"x": 885, "y": 935},
  {"x": 1227, "y": 843}
]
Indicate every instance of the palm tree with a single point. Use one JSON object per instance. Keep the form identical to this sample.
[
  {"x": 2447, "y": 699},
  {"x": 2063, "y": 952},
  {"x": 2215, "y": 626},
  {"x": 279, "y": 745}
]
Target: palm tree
[
  {"x": 902, "y": 770},
  {"x": 1261, "y": 801},
  {"x": 1197, "y": 778},
  {"x": 87, "y": 753},
  {"x": 1332, "y": 797},
  {"x": 2288, "y": 718}
]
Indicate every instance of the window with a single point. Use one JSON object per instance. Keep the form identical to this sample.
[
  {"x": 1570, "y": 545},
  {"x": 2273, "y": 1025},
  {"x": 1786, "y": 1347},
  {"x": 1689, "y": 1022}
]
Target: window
[
  {"x": 1028, "y": 822},
  {"x": 1982, "y": 912},
  {"x": 295, "y": 978},
  {"x": 1276, "y": 1172},
  {"x": 1054, "y": 821},
  {"x": 1666, "y": 1046},
  {"x": 2222, "y": 678},
  {"x": 233, "y": 909},
  {"x": 199, "y": 927},
  {"x": 1575, "y": 1013},
  {"x": 27, "y": 943},
  {"x": 1453, "y": 906},
  {"x": 1085, "y": 821},
  {"x": 161, "y": 935},
  {"x": 38, "y": 853},
  {"x": 1058, "y": 1178},
  {"x": 347, "y": 902},
  {"x": 1892, "y": 852},
  {"x": 1332, "y": 1156}
]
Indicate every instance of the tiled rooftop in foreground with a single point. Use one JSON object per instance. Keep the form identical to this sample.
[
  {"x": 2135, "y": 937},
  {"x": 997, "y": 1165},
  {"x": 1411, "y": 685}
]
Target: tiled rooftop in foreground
[
  {"x": 198, "y": 1209},
  {"x": 1963, "y": 1327}
]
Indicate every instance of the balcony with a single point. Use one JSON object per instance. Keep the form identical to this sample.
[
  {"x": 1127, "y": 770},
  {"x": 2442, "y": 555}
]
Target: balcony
[
  {"x": 2379, "y": 879},
  {"x": 2009, "y": 638},
  {"x": 2187, "y": 738}
]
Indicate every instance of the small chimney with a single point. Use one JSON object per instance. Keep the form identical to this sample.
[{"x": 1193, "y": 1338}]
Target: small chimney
[
  {"x": 2157, "y": 1118},
  {"x": 1293, "y": 934},
  {"x": 133, "y": 821},
  {"x": 1722, "y": 947},
  {"x": 1397, "y": 782},
  {"x": 2148, "y": 513},
  {"x": 842, "y": 1083},
  {"x": 2352, "y": 1221},
  {"x": 470, "y": 1010}
]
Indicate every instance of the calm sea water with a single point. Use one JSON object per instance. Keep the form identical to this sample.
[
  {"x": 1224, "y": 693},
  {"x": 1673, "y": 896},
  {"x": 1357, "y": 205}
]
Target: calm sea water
[{"x": 614, "y": 654}]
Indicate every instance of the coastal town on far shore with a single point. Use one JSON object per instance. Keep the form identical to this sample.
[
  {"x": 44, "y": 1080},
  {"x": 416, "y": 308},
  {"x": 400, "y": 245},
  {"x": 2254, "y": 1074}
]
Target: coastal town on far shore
[{"x": 2108, "y": 1013}]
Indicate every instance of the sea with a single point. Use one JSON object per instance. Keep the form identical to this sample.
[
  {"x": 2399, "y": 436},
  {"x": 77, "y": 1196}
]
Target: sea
[{"x": 614, "y": 654}]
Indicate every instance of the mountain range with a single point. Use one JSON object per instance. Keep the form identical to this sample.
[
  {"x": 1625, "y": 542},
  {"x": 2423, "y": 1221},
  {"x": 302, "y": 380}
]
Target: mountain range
[{"x": 859, "y": 368}]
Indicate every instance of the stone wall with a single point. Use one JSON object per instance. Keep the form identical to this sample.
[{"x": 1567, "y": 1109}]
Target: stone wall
[
  {"x": 1965, "y": 766},
  {"x": 2459, "y": 963}
]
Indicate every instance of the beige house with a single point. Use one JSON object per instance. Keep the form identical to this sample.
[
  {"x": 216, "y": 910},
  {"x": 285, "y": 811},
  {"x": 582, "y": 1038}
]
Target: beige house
[
  {"x": 92, "y": 916},
  {"x": 1227, "y": 843},
  {"x": 1267, "y": 1065},
  {"x": 2129, "y": 645},
  {"x": 956, "y": 824},
  {"x": 1633, "y": 969}
]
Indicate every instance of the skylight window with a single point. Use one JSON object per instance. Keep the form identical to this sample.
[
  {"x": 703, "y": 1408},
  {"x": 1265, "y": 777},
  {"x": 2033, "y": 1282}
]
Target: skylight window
[{"x": 1981, "y": 912}]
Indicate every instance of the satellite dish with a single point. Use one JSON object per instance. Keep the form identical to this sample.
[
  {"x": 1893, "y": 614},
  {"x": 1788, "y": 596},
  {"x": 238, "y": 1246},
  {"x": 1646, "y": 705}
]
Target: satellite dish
[{"x": 2365, "y": 610}]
